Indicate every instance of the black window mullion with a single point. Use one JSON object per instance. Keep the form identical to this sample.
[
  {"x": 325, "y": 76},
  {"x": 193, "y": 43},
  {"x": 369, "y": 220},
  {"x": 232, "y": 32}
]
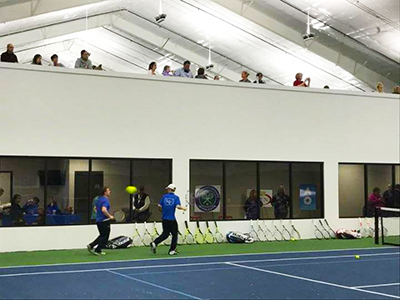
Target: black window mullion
[
  {"x": 90, "y": 192},
  {"x": 224, "y": 190},
  {"x": 45, "y": 191},
  {"x": 291, "y": 190},
  {"x": 322, "y": 190},
  {"x": 365, "y": 189},
  {"x": 131, "y": 183},
  {"x": 258, "y": 188}
]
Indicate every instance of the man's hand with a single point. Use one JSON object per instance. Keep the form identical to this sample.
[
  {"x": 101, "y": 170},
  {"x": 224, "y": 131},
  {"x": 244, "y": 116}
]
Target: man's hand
[{"x": 112, "y": 217}]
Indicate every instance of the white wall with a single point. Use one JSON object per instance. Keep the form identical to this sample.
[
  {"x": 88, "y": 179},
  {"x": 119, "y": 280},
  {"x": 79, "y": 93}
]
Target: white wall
[{"x": 59, "y": 112}]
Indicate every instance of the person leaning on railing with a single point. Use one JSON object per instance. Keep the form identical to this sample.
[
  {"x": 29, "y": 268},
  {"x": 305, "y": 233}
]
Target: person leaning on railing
[{"x": 9, "y": 55}]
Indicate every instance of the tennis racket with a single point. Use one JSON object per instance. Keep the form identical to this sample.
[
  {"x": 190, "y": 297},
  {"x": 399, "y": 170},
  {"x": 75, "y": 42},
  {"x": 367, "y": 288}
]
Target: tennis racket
[
  {"x": 137, "y": 239},
  {"x": 317, "y": 232},
  {"x": 285, "y": 232},
  {"x": 268, "y": 233},
  {"x": 119, "y": 216},
  {"x": 362, "y": 230},
  {"x": 261, "y": 233},
  {"x": 189, "y": 238},
  {"x": 370, "y": 230},
  {"x": 277, "y": 233},
  {"x": 325, "y": 232},
  {"x": 146, "y": 236},
  {"x": 188, "y": 200},
  {"x": 332, "y": 233},
  {"x": 294, "y": 233},
  {"x": 198, "y": 236},
  {"x": 253, "y": 233},
  {"x": 218, "y": 235},
  {"x": 209, "y": 238}
]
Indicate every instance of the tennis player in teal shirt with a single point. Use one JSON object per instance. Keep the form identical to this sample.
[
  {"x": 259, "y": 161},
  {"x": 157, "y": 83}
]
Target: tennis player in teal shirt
[{"x": 168, "y": 205}]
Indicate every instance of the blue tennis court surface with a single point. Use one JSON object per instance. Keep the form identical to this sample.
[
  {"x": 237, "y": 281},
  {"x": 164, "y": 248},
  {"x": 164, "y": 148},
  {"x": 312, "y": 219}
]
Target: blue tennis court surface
[{"x": 301, "y": 275}]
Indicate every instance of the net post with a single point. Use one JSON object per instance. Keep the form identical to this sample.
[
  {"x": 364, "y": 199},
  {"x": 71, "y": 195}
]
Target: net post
[{"x": 376, "y": 226}]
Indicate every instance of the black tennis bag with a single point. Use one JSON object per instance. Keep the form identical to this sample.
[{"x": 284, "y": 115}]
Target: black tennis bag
[
  {"x": 119, "y": 242},
  {"x": 238, "y": 237}
]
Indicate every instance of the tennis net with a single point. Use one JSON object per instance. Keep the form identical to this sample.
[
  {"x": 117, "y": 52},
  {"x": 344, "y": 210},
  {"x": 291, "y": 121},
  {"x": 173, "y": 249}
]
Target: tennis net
[{"x": 387, "y": 226}]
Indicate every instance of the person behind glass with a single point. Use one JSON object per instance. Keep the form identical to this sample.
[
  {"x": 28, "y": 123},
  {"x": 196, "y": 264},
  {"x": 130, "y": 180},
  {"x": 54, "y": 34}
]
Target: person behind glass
[
  {"x": 37, "y": 60},
  {"x": 245, "y": 77},
  {"x": 32, "y": 206},
  {"x": 185, "y": 71},
  {"x": 16, "y": 211},
  {"x": 152, "y": 68},
  {"x": 141, "y": 206},
  {"x": 103, "y": 218},
  {"x": 167, "y": 71},
  {"x": 168, "y": 204},
  {"x": 252, "y": 206},
  {"x": 9, "y": 55},
  {"x": 379, "y": 87},
  {"x": 53, "y": 208},
  {"x": 259, "y": 78},
  {"x": 54, "y": 61},
  {"x": 280, "y": 202},
  {"x": 84, "y": 62},
  {"x": 299, "y": 82},
  {"x": 374, "y": 200},
  {"x": 201, "y": 74}
]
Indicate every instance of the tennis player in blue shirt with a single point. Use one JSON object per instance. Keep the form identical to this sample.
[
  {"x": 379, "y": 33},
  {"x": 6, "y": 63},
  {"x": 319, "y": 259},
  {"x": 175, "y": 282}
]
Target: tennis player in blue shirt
[
  {"x": 103, "y": 218},
  {"x": 168, "y": 204}
]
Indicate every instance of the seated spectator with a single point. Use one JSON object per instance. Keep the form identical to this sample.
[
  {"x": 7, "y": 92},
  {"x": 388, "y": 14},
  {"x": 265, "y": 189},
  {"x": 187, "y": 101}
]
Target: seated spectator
[
  {"x": 326, "y": 87},
  {"x": 152, "y": 68},
  {"x": 54, "y": 60},
  {"x": 281, "y": 202},
  {"x": 299, "y": 82},
  {"x": 245, "y": 77},
  {"x": 167, "y": 71},
  {"x": 16, "y": 212},
  {"x": 40, "y": 219},
  {"x": 53, "y": 208},
  {"x": 141, "y": 206},
  {"x": 68, "y": 210},
  {"x": 201, "y": 74},
  {"x": 185, "y": 71},
  {"x": 216, "y": 77},
  {"x": 9, "y": 55},
  {"x": 259, "y": 78},
  {"x": 84, "y": 62},
  {"x": 32, "y": 206},
  {"x": 379, "y": 87},
  {"x": 37, "y": 60},
  {"x": 396, "y": 90},
  {"x": 252, "y": 206},
  {"x": 374, "y": 200},
  {"x": 396, "y": 196}
]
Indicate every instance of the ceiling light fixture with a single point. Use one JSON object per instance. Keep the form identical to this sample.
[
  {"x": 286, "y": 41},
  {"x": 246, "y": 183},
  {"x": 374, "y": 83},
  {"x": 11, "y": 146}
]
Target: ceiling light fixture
[
  {"x": 309, "y": 35},
  {"x": 161, "y": 17}
]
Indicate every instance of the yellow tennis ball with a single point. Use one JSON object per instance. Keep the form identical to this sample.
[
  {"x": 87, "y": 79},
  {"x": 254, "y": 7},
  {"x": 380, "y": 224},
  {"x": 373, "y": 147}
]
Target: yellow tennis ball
[
  {"x": 130, "y": 189},
  {"x": 357, "y": 256}
]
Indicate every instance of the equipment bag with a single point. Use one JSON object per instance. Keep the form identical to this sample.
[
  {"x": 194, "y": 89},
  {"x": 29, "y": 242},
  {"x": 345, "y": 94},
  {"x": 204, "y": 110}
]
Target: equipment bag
[
  {"x": 347, "y": 234},
  {"x": 119, "y": 242},
  {"x": 238, "y": 237}
]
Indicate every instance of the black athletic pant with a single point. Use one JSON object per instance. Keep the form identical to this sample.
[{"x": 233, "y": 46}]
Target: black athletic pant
[
  {"x": 102, "y": 239},
  {"x": 169, "y": 227}
]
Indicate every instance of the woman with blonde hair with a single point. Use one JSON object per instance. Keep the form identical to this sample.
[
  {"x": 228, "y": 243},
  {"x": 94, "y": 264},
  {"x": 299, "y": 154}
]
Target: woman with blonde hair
[{"x": 379, "y": 87}]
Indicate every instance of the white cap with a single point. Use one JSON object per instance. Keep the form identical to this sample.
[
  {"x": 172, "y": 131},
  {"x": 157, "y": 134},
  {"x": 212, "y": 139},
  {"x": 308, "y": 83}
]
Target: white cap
[{"x": 171, "y": 186}]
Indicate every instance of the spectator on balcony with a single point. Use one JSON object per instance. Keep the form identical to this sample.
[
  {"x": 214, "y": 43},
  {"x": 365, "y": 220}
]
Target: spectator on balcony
[
  {"x": 185, "y": 71},
  {"x": 32, "y": 206},
  {"x": 259, "y": 78},
  {"x": 216, "y": 77},
  {"x": 152, "y": 68},
  {"x": 299, "y": 82},
  {"x": 396, "y": 90},
  {"x": 379, "y": 87},
  {"x": 245, "y": 77},
  {"x": 201, "y": 74},
  {"x": 54, "y": 61},
  {"x": 9, "y": 55},
  {"x": 167, "y": 71},
  {"x": 84, "y": 62},
  {"x": 37, "y": 60},
  {"x": 326, "y": 87}
]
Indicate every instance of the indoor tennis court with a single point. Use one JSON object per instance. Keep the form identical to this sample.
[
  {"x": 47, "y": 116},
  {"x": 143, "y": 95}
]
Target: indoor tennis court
[{"x": 296, "y": 275}]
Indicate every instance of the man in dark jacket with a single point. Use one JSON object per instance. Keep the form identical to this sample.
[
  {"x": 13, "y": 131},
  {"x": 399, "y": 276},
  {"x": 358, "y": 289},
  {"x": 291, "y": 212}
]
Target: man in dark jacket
[
  {"x": 9, "y": 55},
  {"x": 280, "y": 202},
  {"x": 141, "y": 206}
]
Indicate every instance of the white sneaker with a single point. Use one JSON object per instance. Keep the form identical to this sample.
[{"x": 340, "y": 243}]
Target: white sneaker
[{"x": 172, "y": 253}]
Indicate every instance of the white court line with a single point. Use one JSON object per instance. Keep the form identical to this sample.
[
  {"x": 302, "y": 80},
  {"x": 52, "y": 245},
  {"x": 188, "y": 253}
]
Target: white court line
[
  {"x": 155, "y": 285},
  {"x": 313, "y": 280},
  {"x": 193, "y": 257},
  {"x": 191, "y": 264},
  {"x": 376, "y": 285}
]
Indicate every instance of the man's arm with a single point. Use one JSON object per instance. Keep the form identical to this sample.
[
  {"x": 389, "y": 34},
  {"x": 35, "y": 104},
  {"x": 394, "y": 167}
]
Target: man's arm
[
  {"x": 180, "y": 207},
  {"x": 146, "y": 204},
  {"x": 106, "y": 213},
  {"x": 160, "y": 207}
]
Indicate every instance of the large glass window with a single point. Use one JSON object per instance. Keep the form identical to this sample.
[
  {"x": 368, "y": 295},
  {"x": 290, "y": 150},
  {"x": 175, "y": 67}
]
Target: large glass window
[
  {"x": 152, "y": 175},
  {"x": 274, "y": 176},
  {"x": 351, "y": 190},
  {"x": 23, "y": 193},
  {"x": 307, "y": 190},
  {"x": 206, "y": 181}
]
